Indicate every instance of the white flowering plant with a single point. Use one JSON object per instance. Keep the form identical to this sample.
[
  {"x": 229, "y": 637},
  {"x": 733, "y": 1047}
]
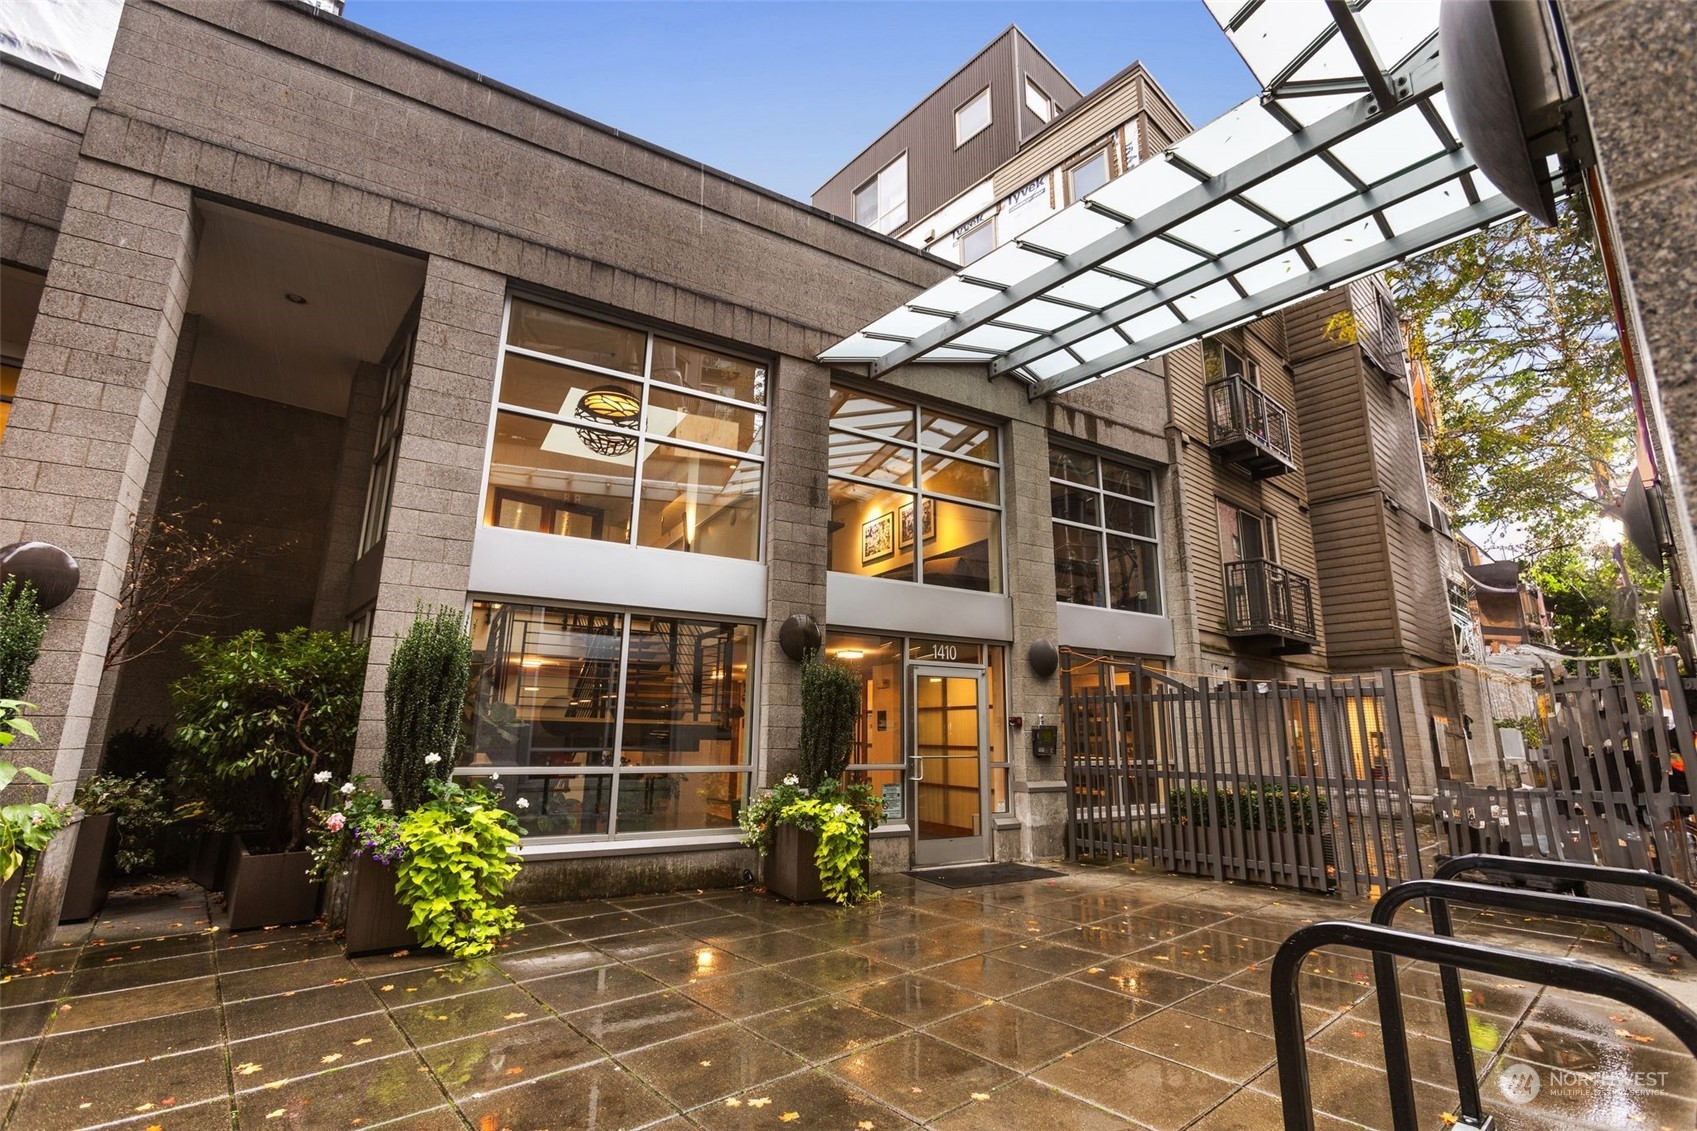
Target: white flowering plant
[
  {"x": 842, "y": 816},
  {"x": 357, "y": 821}
]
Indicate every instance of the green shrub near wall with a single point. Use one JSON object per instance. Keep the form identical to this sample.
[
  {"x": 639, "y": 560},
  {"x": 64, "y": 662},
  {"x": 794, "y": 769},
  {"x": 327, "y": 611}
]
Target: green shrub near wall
[
  {"x": 22, "y": 625},
  {"x": 423, "y": 704},
  {"x": 830, "y": 707},
  {"x": 1253, "y": 805}
]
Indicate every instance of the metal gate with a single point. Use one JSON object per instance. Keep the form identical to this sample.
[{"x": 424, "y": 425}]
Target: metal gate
[
  {"x": 1296, "y": 784},
  {"x": 1610, "y": 787}
]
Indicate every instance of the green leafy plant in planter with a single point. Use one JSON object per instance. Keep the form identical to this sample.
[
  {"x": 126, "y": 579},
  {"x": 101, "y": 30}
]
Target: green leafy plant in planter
[
  {"x": 22, "y": 625},
  {"x": 273, "y": 714},
  {"x": 26, "y": 827},
  {"x": 456, "y": 868},
  {"x": 141, "y": 809},
  {"x": 356, "y": 822}
]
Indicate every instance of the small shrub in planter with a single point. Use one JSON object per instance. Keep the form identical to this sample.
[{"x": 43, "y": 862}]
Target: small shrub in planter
[
  {"x": 422, "y": 704},
  {"x": 26, "y": 827},
  {"x": 22, "y": 625},
  {"x": 457, "y": 864}
]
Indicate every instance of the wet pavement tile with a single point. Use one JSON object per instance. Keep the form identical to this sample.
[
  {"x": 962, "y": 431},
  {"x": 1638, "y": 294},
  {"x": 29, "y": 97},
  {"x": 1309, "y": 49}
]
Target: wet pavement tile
[
  {"x": 1606, "y": 1099},
  {"x": 1028, "y": 1104},
  {"x": 698, "y": 964},
  {"x": 851, "y": 932},
  {"x": 397, "y": 1086},
  {"x": 776, "y": 946},
  {"x": 599, "y": 1095},
  {"x": 1359, "y": 1094},
  {"x": 304, "y": 974},
  {"x": 1087, "y": 1007},
  {"x": 1213, "y": 1046},
  {"x": 825, "y": 1029},
  {"x": 1053, "y": 958},
  {"x": 601, "y": 985},
  {"x": 1210, "y": 949},
  {"x": 672, "y": 913},
  {"x": 1485, "y": 994},
  {"x": 626, "y": 1025},
  {"x": 563, "y": 958},
  {"x": 101, "y": 977},
  {"x": 450, "y": 980},
  {"x": 1015, "y": 1037},
  {"x": 128, "y": 1042},
  {"x": 920, "y": 1075},
  {"x": 15, "y": 1057},
  {"x": 1146, "y": 982},
  {"x": 286, "y": 1011},
  {"x": 814, "y": 1096},
  {"x": 988, "y": 976},
  {"x": 1316, "y": 990},
  {"x": 263, "y": 1061},
  {"x": 533, "y": 936},
  {"x": 603, "y": 925},
  {"x": 29, "y": 989},
  {"x": 510, "y": 1055},
  {"x": 836, "y": 971},
  {"x": 450, "y": 1018},
  {"x": 710, "y": 1065},
  {"x": 261, "y": 954},
  {"x": 24, "y": 1022},
  {"x": 1152, "y": 1091},
  {"x": 1245, "y": 1009},
  {"x": 1430, "y": 1058},
  {"x": 904, "y": 952},
  {"x": 1256, "y": 1111},
  {"x": 751, "y": 992},
  {"x": 89, "y": 1098},
  {"x": 138, "y": 1004},
  {"x": 913, "y": 999}
]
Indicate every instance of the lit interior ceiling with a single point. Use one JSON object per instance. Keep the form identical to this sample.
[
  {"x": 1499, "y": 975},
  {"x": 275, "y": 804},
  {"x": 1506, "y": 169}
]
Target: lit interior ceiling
[{"x": 1348, "y": 161}]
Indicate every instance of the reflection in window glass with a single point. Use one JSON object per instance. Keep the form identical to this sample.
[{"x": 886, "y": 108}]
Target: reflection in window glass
[
  {"x": 573, "y": 474},
  {"x": 974, "y": 117},
  {"x": 1088, "y": 175},
  {"x": 881, "y": 526},
  {"x": 700, "y": 503},
  {"x": 1107, "y": 550},
  {"x": 561, "y": 479},
  {"x": 563, "y": 334},
  {"x": 622, "y": 725}
]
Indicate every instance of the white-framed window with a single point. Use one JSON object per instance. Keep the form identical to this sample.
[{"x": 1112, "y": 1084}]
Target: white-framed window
[
  {"x": 1037, "y": 101},
  {"x": 916, "y": 494},
  {"x": 608, "y": 723},
  {"x": 979, "y": 242},
  {"x": 881, "y": 203},
  {"x": 1087, "y": 175},
  {"x": 1107, "y": 541},
  {"x": 616, "y": 434},
  {"x": 973, "y": 117}
]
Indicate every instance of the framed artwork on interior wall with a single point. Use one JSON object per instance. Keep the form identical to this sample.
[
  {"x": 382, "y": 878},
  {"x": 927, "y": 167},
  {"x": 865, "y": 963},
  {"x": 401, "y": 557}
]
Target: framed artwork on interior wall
[
  {"x": 878, "y": 538},
  {"x": 928, "y": 523}
]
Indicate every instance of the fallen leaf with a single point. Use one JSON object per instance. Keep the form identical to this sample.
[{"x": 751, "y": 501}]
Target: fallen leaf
[
  {"x": 85, "y": 1106},
  {"x": 337, "y": 981},
  {"x": 733, "y": 1102},
  {"x": 247, "y": 1068},
  {"x": 509, "y": 1017},
  {"x": 143, "y": 1107},
  {"x": 761, "y": 1102},
  {"x": 863, "y": 1125},
  {"x": 515, "y": 1072},
  {"x": 707, "y": 1064},
  {"x": 332, "y": 1058},
  {"x": 981, "y": 1095},
  {"x": 363, "y": 1041},
  {"x": 280, "y": 1112},
  {"x": 789, "y": 1117},
  {"x": 386, "y": 989}
]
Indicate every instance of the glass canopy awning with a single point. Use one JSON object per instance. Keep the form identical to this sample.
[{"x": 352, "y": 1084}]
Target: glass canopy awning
[{"x": 1346, "y": 162}]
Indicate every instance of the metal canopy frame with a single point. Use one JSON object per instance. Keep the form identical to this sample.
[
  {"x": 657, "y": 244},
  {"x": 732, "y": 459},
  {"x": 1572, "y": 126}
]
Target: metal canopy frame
[{"x": 1341, "y": 166}]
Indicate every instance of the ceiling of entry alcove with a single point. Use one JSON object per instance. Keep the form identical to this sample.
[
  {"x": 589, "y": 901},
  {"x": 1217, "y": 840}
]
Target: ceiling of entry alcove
[{"x": 253, "y": 340}]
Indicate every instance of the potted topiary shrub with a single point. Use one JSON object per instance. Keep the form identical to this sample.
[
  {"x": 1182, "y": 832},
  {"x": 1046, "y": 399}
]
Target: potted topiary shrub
[
  {"x": 810, "y": 828},
  {"x": 422, "y": 710},
  {"x": 274, "y": 716},
  {"x": 121, "y": 816}
]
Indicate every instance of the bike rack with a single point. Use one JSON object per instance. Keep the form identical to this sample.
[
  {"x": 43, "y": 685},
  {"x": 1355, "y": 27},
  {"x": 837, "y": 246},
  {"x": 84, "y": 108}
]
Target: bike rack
[
  {"x": 1563, "y": 973},
  {"x": 1455, "y": 1006},
  {"x": 1441, "y": 893}
]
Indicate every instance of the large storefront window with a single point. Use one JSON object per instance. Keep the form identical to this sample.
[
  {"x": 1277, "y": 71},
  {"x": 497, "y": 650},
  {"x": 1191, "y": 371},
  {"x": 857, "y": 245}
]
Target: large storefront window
[
  {"x": 618, "y": 435},
  {"x": 916, "y": 495},
  {"x": 882, "y": 742},
  {"x": 1106, "y": 548},
  {"x": 610, "y": 723}
]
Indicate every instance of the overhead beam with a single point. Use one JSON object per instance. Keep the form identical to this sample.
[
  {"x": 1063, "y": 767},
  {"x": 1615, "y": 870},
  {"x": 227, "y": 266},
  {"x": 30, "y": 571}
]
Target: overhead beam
[
  {"x": 1281, "y": 155},
  {"x": 1360, "y": 46},
  {"x": 1412, "y": 182},
  {"x": 1430, "y": 235}
]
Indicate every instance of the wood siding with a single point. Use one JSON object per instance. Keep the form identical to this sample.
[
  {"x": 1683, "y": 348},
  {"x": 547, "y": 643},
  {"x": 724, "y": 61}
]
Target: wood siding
[
  {"x": 1098, "y": 117},
  {"x": 937, "y": 172}
]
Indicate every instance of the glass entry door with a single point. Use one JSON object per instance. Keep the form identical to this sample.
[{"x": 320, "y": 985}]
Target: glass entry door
[{"x": 950, "y": 741}]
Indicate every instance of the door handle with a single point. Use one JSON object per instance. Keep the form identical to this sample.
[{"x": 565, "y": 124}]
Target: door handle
[{"x": 919, "y": 768}]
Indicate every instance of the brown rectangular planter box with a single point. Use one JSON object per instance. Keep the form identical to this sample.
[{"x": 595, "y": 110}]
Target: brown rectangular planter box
[
  {"x": 9, "y": 896},
  {"x": 209, "y": 859},
  {"x": 790, "y": 870},
  {"x": 377, "y": 919},
  {"x": 92, "y": 864},
  {"x": 270, "y": 889}
]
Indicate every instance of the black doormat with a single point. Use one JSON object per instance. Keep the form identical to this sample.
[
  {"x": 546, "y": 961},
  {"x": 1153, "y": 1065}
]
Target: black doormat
[{"x": 983, "y": 875}]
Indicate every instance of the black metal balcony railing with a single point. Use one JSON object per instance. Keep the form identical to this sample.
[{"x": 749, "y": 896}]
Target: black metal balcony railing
[
  {"x": 1264, "y": 599},
  {"x": 1249, "y": 428}
]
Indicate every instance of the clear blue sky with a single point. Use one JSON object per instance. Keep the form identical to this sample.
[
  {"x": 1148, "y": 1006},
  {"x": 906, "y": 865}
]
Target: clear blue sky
[{"x": 785, "y": 93}]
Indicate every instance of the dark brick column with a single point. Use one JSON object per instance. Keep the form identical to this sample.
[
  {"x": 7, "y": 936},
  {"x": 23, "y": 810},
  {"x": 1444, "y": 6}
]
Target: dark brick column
[
  {"x": 81, "y": 440},
  {"x": 438, "y": 470}
]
